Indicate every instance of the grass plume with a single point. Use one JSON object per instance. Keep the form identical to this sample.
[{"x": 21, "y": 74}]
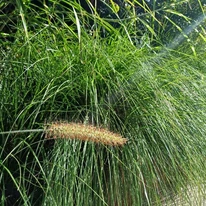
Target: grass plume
[{"x": 84, "y": 133}]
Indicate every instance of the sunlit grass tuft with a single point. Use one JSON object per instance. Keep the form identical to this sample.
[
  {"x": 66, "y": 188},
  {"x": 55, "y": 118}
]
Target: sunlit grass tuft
[{"x": 61, "y": 70}]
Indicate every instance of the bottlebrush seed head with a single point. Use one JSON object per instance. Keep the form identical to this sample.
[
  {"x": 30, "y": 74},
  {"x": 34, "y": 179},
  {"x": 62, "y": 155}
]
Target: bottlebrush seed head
[{"x": 84, "y": 133}]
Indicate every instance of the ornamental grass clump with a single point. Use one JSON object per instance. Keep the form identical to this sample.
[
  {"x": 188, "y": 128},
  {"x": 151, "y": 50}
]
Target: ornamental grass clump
[{"x": 84, "y": 133}]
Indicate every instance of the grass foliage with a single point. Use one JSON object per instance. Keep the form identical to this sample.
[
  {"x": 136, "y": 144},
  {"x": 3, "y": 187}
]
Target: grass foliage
[{"x": 59, "y": 68}]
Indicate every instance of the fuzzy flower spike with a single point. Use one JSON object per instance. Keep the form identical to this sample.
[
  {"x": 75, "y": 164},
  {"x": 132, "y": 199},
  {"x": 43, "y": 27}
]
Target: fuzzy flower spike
[{"x": 84, "y": 133}]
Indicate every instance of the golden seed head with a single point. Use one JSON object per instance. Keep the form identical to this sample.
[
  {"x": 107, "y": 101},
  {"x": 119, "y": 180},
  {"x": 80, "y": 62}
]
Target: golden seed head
[{"x": 84, "y": 133}]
